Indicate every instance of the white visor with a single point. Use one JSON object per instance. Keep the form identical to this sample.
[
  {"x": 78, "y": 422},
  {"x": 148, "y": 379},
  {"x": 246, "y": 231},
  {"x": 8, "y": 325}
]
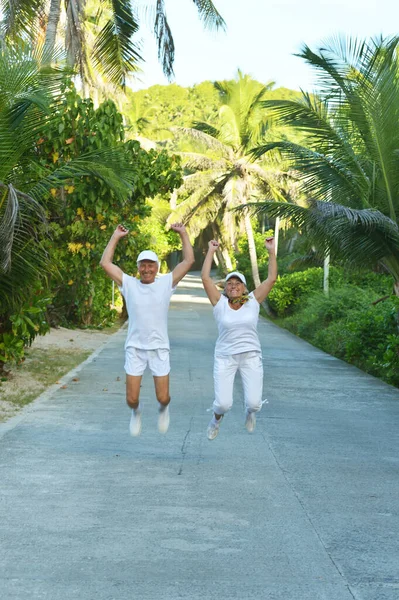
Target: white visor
[
  {"x": 239, "y": 276},
  {"x": 147, "y": 255}
]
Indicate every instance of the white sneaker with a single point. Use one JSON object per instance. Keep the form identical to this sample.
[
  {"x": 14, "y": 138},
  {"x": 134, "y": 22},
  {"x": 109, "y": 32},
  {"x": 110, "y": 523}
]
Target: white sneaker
[
  {"x": 135, "y": 423},
  {"x": 163, "y": 420},
  {"x": 213, "y": 428},
  {"x": 250, "y": 421}
]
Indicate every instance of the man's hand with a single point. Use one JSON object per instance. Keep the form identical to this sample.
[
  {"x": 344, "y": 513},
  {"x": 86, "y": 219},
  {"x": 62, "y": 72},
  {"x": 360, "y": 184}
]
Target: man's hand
[
  {"x": 213, "y": 246},
  {"x": 178, "y": 227},
  {"x": 120, "y": 232},
  {"x": 270, "y": 245}
]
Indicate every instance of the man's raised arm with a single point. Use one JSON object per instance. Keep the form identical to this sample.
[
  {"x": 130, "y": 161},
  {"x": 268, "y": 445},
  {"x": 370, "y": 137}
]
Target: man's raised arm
[{"x": 106, "y": 263}]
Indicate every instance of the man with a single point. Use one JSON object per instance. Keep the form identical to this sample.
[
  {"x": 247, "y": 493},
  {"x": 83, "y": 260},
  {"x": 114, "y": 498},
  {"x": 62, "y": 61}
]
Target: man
[{"x": 147, "y": 302}]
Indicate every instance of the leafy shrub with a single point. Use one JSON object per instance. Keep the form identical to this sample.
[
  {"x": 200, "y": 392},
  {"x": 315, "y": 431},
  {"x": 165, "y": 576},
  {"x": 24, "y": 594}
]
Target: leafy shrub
[
  {"x": 290, "y": 289},
  {"x": 90, "y": 210},
  {"x": 348, "y": 326},
  {"x": 22, "y": 327},
  {"x": 319, "y": 311}
]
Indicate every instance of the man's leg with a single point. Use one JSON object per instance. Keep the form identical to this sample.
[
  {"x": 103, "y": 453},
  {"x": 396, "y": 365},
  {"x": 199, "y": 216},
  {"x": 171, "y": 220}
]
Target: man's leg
[
  {"x": 135, "y": 364},
  {"x": 162, "y": 390},
  {"x": 132, "y": 398},
  {"x": 162, "y": 393},
  {"x": 133, "y": 383}
]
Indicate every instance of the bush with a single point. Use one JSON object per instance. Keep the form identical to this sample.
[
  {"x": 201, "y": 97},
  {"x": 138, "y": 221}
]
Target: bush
[
  {"x": 21, "y": 328},
  {"x": 289, "y": 290},
  {"x": 319, "y": 311},
  {"x": 348, "y": 326}
]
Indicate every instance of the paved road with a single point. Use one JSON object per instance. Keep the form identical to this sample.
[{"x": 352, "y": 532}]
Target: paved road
[{"x": 306, "y": 508}]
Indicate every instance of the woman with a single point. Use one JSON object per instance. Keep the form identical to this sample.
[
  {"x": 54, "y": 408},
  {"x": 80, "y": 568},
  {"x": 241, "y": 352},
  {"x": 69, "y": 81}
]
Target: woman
[{"x": 238, "y": 347}]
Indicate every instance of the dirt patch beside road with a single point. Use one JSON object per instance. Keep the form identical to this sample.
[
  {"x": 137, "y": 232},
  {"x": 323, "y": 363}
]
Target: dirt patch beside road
[{"x": 50, "y": 357}]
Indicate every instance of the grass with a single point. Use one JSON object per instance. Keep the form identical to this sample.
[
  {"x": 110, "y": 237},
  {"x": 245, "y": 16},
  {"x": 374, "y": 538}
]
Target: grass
[{"x": 42, "y": 368}]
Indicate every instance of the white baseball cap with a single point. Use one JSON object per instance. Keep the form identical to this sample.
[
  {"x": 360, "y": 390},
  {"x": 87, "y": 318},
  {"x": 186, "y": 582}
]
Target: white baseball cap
[
  {"x": 239, "y": 276},
  {"x": 148, "y": 255}
]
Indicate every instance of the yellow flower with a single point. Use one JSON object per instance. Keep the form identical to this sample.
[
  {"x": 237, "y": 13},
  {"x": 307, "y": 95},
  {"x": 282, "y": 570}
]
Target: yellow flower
[
  {"x": 53, "y": 192},
  {"x": 103, "y": 227},
  {"x": 74, "y": 248},
  {"x": 88, "y": 245},
  {"x": 80, "y": 212},
  {"x": 70, "y": 282},
  {"x": 100, "y": 218},
  {"x": 55, "y": 157}
]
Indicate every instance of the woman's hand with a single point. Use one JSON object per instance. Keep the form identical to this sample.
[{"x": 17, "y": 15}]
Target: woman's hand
[
  {"x": 178, "y": 227},
  {"x": 213, "y": 246},
  {"x": 270, "y": 245}
]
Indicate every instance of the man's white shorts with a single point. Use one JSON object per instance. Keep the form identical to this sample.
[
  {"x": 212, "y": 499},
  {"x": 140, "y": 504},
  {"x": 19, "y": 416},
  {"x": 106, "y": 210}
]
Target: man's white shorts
[{"x": 137, "y": 360}]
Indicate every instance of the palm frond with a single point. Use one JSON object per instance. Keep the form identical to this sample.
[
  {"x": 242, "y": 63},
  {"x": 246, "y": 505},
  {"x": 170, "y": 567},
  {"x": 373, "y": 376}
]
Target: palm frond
[
  {"x": 110, "y": 166},
  {"x": 21, "y": 17},
  {"x": 20, "y": 216},
  {"x": 322, "y": 176},
  {"x": 163, "y": 34},
  {"x": 206, "y": 128},
  {"x": 115, "y": 52},
  {"x": 201, "y": 137},
  {"x": 201, "y": 162},
  {"x": 209, "y": 14},
  {"x": 358, "y": 237}
]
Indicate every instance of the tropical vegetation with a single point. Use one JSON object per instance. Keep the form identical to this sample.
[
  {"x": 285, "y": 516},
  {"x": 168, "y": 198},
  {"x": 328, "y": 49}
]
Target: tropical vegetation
[
  {"x": 221, "y": 172},
  {"x": 66, "y": 179},
  {"x": 349, "y": 162},
  {"x": 101, "y": 44},
  {"x": 228, "y": 158}
]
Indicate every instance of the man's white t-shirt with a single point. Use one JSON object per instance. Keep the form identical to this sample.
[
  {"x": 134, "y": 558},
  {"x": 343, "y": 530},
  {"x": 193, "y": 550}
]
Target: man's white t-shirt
[
  {"x": 147, "y": 306},
  {"x": 237, "y": 328}
]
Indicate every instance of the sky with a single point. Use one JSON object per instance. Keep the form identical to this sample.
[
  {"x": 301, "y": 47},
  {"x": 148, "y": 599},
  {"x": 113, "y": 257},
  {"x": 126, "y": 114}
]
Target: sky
[{"x": 261, "y": 38}]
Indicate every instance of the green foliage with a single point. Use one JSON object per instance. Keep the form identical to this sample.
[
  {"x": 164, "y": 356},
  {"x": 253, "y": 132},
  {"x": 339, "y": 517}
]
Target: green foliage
[
  {"x": 153, "y": 111},
  {"x": 317, "y": 311},
  {"x": 290, "y": 289},
  {"x": 242, "y": 259},
  {"x": 22, "y": 327},
  {"x": 348, "y": 154},
  {"x": 90, "y": 210},
  {"x": 367, "y": 338},
  {"x": 173, "y": 105},
  {"x": 345, "y": 323}
]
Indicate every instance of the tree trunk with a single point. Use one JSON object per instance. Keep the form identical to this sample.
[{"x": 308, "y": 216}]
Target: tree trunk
[
  {"x": 52, "y": 24},
  {"x": 276, "y": 233},
  {"x": 227, "y": 259},
  {"x": 251, "y": 247},
  {"x": 396, "y": 287},
  {"x": 326, "y": 275}
]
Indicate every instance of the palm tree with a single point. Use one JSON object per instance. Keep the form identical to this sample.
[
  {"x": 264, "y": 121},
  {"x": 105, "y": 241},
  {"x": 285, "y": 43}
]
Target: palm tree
[
  {"x": 225, "y": 175},
  {"x": 29, "y": 93},
  {"x": 113, "y": 51},
  {"x": 349, "y": 162}
]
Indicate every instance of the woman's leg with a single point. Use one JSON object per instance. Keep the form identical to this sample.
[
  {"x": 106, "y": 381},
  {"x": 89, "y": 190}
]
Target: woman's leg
[
  {"x": 224, "y": 371},
  {"x": 251, "y": 370}
]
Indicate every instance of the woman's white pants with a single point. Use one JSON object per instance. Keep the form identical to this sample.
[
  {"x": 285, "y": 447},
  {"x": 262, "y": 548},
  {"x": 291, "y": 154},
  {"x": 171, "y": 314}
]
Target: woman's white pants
[{"x": 250, "y": 367}]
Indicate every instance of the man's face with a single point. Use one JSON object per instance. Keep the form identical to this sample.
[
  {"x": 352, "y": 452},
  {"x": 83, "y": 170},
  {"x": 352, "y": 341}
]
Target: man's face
[{"x": 147, "y": 271}]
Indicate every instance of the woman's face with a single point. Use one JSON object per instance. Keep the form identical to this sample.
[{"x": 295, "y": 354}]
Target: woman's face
[{"x": 234, "y": 288}]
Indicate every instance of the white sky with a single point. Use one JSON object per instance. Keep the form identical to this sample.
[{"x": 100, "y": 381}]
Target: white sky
[{"x": 261, "y": 38}]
